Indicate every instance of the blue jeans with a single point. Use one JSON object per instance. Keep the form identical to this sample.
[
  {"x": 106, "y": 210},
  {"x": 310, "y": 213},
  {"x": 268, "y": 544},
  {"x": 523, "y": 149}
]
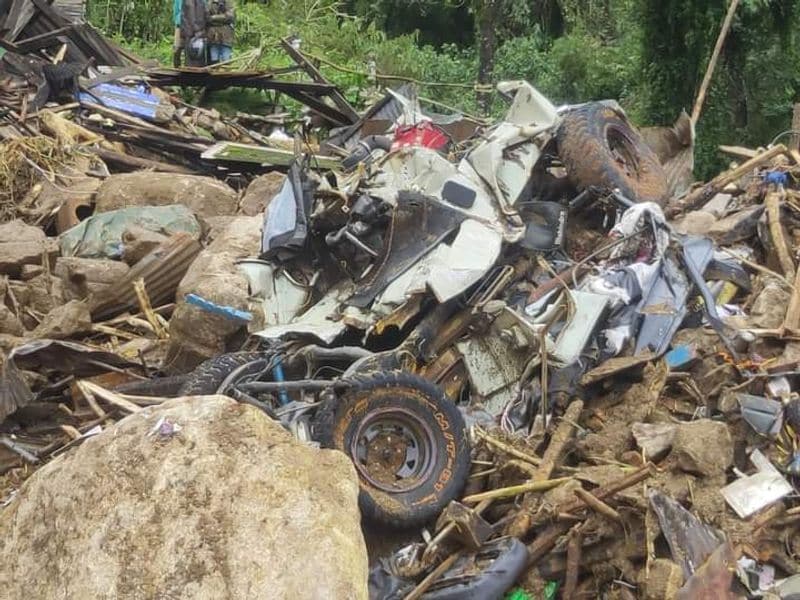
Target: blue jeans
[{"x": 219, "y": 53}]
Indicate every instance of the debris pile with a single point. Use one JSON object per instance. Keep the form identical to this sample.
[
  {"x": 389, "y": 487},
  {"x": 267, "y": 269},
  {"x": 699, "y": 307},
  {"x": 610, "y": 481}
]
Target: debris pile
[{"x": 557, "y": 367}]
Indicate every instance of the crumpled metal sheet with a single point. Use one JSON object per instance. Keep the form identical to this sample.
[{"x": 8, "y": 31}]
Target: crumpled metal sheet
[
  {"x": 64, "y": 357},
  {"x": 418, "y": 226},
  {"x": 324, "y": 321},
  {"x": 456, "y": 267},
  {"x": 690, "y": 540},
  {"x": 162, "y": 271}
]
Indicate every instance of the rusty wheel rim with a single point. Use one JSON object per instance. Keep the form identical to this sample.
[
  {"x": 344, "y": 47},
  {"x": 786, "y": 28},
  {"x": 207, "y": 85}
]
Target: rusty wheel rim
[{"x": 393, "y": 450}]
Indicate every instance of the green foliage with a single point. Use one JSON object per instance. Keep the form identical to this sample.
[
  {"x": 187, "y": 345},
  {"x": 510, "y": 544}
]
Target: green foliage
[
  {"x": 135, "y": 21},
  {"x": 756, "y": 81},
  {"x": 648, "y": 54}
]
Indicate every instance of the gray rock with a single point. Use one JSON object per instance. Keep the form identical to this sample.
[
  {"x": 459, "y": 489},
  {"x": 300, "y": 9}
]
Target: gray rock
[
  {"x": 85, "y": 276},
  {"x": 230, "y": 506},
  {"x": 65, "y": 321},
  {"x": 22, "y": 244},
  {"x": 737, "y": 227},
  {"x": 10, "y": 323},
  {"x": 655, "y": 439},
  {"x": 769, "y": 307},
  {"x": 696, "y": 222},
  {"x": 718, "y": 205},
  {"x": 703, "y": 447},
  {"x": 260, "y": 192}
]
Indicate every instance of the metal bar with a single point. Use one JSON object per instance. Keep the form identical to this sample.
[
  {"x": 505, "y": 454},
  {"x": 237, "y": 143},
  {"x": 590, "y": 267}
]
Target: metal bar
[{"x": 300, "y": 384}]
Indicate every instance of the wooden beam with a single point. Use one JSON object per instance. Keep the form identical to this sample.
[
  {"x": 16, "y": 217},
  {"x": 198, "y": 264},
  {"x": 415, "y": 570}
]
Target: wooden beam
[
  {"x": 338, "y": 99},
  {"x": 739, "y": 151},
  {"x": 701, "y": 195},
  {"x": 135, "y": 163},
  {"x": 773, "y": 204},
  {"x": 791, "y": 323}
]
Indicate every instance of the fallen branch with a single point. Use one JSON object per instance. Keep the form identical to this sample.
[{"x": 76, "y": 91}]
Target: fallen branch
[
  {"x": 598, "y": 505},
  {"x": 554, "y": 453},
  {"x": 574, "y": 549},
  {"x": 548, "y": 538}
]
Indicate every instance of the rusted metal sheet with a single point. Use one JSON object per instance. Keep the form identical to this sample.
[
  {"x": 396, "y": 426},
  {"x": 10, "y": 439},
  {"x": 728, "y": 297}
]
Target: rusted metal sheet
[
  {"x": 73, "y": 10},
  {"x": 31, "y": 25},
  {"x": 162, "y": 271}
]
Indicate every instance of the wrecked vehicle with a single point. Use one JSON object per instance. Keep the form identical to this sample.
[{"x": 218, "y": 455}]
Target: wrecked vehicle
[
  {"x": 608, "y": 398},
  {"x": 396, "y": 295}
]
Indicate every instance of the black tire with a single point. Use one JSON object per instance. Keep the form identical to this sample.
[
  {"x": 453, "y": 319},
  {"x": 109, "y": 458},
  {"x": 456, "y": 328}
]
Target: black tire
[
  {"x": 432, "y": 447},
  {"x": 210, "y": 375},
  {"x": 599, "y": 148}
]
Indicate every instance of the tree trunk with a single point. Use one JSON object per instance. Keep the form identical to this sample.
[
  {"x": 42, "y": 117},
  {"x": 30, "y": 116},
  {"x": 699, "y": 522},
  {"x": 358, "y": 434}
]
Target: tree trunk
[
  {"x": 794, "y": 143},
  {"x": 487, "y": 41}
]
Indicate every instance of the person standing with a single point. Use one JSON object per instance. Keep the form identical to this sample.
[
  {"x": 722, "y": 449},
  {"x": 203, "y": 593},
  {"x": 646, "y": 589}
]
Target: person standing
[
  {"x": 219, "y": 30},
  {"x": 177, "y": 42},
  {"x": 190, "y": 32}
]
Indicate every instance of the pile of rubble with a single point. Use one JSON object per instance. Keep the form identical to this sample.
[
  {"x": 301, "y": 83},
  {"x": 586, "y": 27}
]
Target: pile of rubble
[{"x": 557, "y": 367}]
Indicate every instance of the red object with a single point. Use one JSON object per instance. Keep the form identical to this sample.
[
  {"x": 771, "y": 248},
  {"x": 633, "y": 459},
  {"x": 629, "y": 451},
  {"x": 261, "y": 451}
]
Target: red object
[{"x": 424, "y": 134}]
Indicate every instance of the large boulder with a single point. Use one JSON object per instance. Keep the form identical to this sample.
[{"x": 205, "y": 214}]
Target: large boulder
[
  {"x": 205, "y": 196},
  {"x": 198, "y": 498},
  {"x": 196, "y": 334}
]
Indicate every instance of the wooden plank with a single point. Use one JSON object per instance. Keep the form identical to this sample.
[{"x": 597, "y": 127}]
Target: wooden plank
[
  {"x": 336, "y": 96},
  {"x": 134, "y": 163},
  {"x": 791, "y": 323},
  {"x": 262, "y": 155},
  {"x": 88, "y": 388},
  {"x": 739, "y": 151},
  {"x": 701, "y": 195},
  {"x": 773, "y": 204},
  {"x": 18, "y": 17}
]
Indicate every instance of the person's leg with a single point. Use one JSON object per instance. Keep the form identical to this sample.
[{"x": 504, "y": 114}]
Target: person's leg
[{"x": 214, "y": 53}]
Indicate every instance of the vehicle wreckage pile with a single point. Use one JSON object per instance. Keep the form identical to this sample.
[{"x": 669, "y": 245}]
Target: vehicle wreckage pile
[{"x": 558, "y": 370}]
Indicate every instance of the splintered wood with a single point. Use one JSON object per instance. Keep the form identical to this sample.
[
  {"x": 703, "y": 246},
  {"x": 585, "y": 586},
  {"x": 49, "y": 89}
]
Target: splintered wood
[{"x": 552, "y": 456}]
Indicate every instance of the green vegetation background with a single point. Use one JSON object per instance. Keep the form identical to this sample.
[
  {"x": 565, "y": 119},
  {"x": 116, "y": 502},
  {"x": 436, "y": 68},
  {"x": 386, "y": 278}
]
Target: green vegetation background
[{"x": 648, "y": 54}]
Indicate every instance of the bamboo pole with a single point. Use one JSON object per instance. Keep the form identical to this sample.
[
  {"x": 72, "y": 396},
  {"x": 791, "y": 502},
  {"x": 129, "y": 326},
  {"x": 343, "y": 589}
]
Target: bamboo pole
[
  {"x": 516, "y": 490},
  {"x": 712, "y": 64}
]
